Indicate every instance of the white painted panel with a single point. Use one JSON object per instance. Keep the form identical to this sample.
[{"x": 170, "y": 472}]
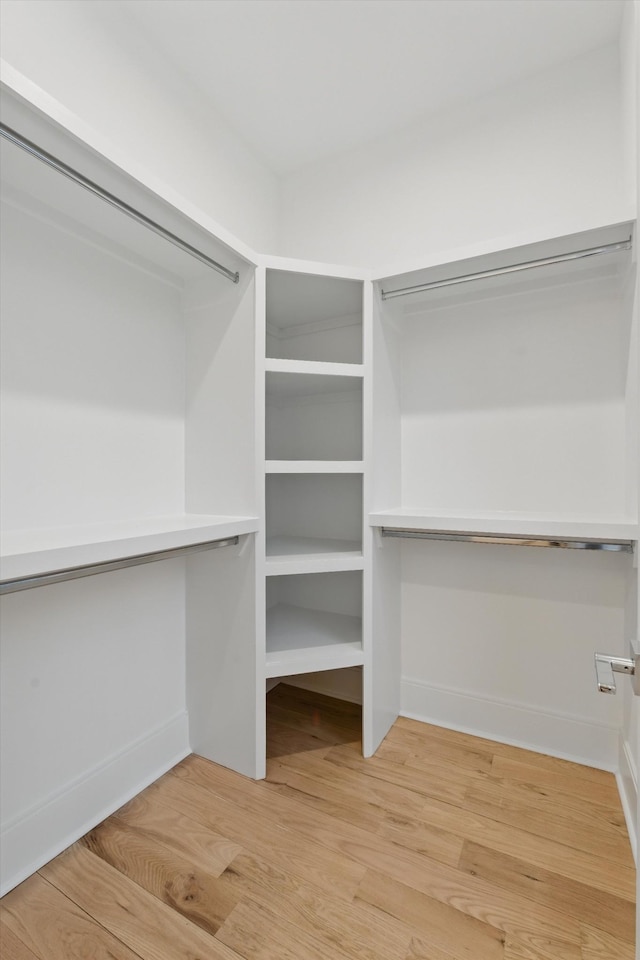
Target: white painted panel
[
  {"x": 89, "y": 668},
  {"x": 513, "y": 625},
  {"x": 381, "y": 681},
  {"x": 93, "y": 383},
  {"x": 222, "y": 693},
  {"x": 220, "y": 405},
  {"x": 517, "y": 403}
]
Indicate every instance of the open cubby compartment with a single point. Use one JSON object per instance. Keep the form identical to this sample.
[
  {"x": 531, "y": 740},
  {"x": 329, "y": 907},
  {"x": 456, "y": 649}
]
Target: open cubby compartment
[
  {"x": 313, "y": 317},
  {"x": 314, "y": 515},
  {"x": 313, "y": 417},
  {"x": 517, "y": 392},
  {"x": 314, "y": 622}
]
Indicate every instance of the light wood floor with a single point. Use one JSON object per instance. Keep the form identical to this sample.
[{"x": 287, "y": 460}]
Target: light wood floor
[{"x": 442, "y": 847}]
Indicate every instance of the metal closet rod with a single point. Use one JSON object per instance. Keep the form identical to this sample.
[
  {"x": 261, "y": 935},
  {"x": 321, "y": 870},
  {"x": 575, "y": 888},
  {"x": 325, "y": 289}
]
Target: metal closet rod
[
  {"x": 614, "y": 546},
  {"x": 110, "y": 198},
  {"x": 514, "y": 268},
  {"x": 90, "y": 569}
]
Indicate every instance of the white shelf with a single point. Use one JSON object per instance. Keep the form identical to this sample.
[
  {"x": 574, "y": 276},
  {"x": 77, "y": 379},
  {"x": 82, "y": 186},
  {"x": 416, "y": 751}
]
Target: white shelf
[
  {"x": 27, "y": 553},
  {"x": 298, "y": 387},
  {"x": 507, "y": 524},
  {"x": 314, "y": 368},
  {"x": 291, "y": 555},
  {"x": 314, "y": 466},
  {"x": 306, "y": 641}
]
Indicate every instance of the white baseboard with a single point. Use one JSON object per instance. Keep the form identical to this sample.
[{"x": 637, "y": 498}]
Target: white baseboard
[
  {"x": 559, "y": 735},
  {"x": 628, "y": 788},
  {"x": 49, "y": 827}
]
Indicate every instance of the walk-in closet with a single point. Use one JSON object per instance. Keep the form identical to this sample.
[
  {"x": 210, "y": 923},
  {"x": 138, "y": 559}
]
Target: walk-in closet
[{"x": 365, "y": 425}]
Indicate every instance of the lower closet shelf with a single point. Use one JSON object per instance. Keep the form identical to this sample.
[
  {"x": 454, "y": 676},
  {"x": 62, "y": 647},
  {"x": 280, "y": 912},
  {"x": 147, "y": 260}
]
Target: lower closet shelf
[
  {"x": 300, "y": 640},
  {"x": 312, "y": 554}
]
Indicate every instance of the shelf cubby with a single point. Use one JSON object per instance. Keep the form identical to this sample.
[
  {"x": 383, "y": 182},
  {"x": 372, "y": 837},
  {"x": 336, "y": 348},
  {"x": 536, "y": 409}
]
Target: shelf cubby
[
  {"x": 313, "y": 317},
  {"x": 313, "y": 417},
  {"x": 313, "y": 522},
  {"x": 314, "y": 622}
]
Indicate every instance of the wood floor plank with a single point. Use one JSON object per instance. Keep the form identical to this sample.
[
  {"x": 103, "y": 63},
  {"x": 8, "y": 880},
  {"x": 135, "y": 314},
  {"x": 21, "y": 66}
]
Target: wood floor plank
[
  {"x": 338, "y": 926},
  {"x": 258, "y": 933},
  {"x": 11, "y": 947},
  {"x": 186, "y": 837},
  {"x": 361, "y": 933},
  {"x": 314, "y": 724},
  {"x": 405, "y": 725},
  {"x": 583, "y": 825},
  {"x": 338, "y": 836},
  {"x": 604, "y": 911},
  {"x": 439, "y": 924},
  {"x": 135, "y": 917},
  {"x": 272, "y": 841},
  {"x": 190, "y": 891},
  {"x": 597, "y": 945},
  {"x": 322, "y": 794},
  {"x": 358, "y": 788},
  {"x": 53, "y": 927},
  {"x": 297, "y": 698},
  {"x": 539, "y": 949},
  {"x": 439, "y": 780},
  {"x": 557, "y": 781},
  {"x": 411, "y": 747},
  {"x": 419, "y": 950},
  {"x": 513, "y": 840},
  {"x": 481, "y": 899},
  {"x": 284, "y": 741}
]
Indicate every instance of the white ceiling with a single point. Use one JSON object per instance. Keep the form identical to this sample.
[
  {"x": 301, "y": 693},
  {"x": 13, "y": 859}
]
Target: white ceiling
[{"x": 302, "y": 80}]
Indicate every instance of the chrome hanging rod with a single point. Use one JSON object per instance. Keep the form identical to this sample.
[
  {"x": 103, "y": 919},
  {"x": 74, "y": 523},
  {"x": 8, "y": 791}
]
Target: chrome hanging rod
[
  {"x": 514, "y": 268},
  {"x": 90, "y": 569},
  {"x": 614, "y": 546},
  {"x": 13, "y": 137}
]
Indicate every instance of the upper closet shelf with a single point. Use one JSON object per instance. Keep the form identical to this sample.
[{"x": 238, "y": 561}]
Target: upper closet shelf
[
  {"x": 596, "y": 253},
  {"x": 507, "y": 524},
  {"x": 50, "y": 174},
  {"x": 32, "y": 553},
  {"x": 317, "y": 367}
]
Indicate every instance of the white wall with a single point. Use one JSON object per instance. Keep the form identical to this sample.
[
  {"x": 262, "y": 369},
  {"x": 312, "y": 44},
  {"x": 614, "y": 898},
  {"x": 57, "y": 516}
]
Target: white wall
[
  {"x": 629, "y": 747},
  {"x": 546, "y": 150},
  {"x": 93, "y": 59}
]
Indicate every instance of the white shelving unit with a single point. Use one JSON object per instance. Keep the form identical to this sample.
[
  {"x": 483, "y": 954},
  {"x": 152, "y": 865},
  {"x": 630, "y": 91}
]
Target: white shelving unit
[{"x": 317, "y": 419}]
